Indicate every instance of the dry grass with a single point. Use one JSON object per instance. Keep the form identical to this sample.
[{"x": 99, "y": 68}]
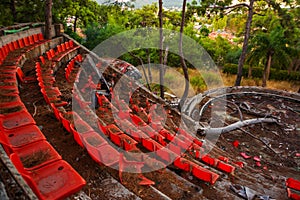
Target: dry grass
[
  {"x": 174, "y": 81},
  {"x": 229, "y": 80}
]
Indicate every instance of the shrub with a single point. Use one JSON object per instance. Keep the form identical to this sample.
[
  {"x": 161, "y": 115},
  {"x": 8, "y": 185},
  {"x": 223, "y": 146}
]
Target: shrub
[
  {"x": 257, "y": 72},
  {"x": 198, "y": 83}
]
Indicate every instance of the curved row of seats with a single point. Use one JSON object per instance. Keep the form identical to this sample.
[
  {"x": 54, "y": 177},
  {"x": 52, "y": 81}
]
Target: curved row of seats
[
  {"x": 38, "y": 162},
  {"x": 71, "y": 65},
  {"x": 64, "y": 117},
  {"x": 149, "y": 138},
  {"x": 26, "y": 44},
  {"x": 61, "y": 51}
]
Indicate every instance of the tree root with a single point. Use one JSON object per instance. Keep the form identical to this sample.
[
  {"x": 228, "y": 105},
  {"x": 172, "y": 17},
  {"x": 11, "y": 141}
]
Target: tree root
[{"x": 236, "y": 125}]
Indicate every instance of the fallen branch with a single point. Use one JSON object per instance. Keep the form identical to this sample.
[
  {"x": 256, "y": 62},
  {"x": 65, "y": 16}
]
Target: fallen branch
[
  {"x": 246, "y": 108},
  {"x": 253, "y": 136},
  {"x": 35, "y": 108},
  {"x": 236, "y": 125}
]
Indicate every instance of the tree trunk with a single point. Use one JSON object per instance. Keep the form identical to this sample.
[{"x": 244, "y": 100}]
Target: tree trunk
[
  {"x": 269, "y": 67},
  {"x": 149, "y": 66},
  {"x": 245, "y": 45},
  {"x": 183, "y": 64},
  {"x": 166, "y": 59},
  {"x": 250, "y": 72},
  {"x": 143, "y": 68},
  {"x": 161, "y": 73},
  {"x": 13, "y": 10},
  {"x": 266, "y": 72},
  {"x": 48, "y": 19},
  {"x": 75, "y": 24}
]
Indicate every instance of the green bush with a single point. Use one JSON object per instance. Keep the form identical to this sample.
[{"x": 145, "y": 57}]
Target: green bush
[
  {"x": 197, "y": 83},
  {"x": 257, "y": 72}
]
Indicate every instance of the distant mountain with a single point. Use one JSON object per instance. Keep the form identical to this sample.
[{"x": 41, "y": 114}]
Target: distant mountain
[{"x": 166, "y": 3}]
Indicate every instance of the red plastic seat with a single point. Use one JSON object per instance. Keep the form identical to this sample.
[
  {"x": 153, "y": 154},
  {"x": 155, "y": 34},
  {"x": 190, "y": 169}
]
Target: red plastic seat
[
  {"x": 63, "y": 47},
  {"x": 108, "y": 155},
  {"x": 113, "y": 129},
  {"x": 137, "y": 120},
  {"x": 22, "y": 77},
  {"x": 78, "y": 131},
  {"x": 183, "y": 164},
  {"x": 166, "y": 155},
  {"x": 41, "y": 37},
  {"x": 31, "y": 41},
  {"x": 183, "y": 145},
  {"x": 116, "y": 139},
  {"x": 204, "y": 174},
  {"x": 26, "y": 41},
  {"x": 225, "y": 167},
  {"x": 35, "y": 38},
  {"x": 79, "y": 58},
  {"x": 42, "y": 59},
  {"x": 17, "y": 119},
  {"x": 59, "y": 50},
  {"x": 55, "y": 111},
  {"x": 292, "y": 194},
  {"x": 93, "y": 138},
  {"x": 65, "y": 122},
  {"x": 49, "y": 56},
  {"x": 150, "y": 144},
  {"x": 209, "y": 160},
  {"x": 52, "y": 52},
  {"x": 16, "y": 45},
  {"x": 6, "y": 49},
  {"x": 129, "y": 144},
  {"x": 21, "y": 43},
  {"x": 2, "y": 52},
  {"x": 71, "y": 43},
  {"x": 36, "y": 155},
  {"x": 11, "y": 46},
  {"x": 123, "y": 163},
  {"x": 92, "y": 141},
  {"x": 175, "y": 148},
  {"x": 67, "y": 45},
  {"x": 57, "y": 180},
  {"x": 293, "y": 183},
  {"x": 169, "y": 136},
  {"x": 11, "y": 100},
  {"x": 21, "y": 136},
  {"x": 67, "y": 74}
]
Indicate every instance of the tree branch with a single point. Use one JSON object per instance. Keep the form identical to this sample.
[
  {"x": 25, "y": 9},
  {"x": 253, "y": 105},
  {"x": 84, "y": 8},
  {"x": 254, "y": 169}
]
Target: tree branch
[
  {"x": 253, "y": 136},
  {"x": 143, "y": 67},
  {"x": 236, "y": 125}
]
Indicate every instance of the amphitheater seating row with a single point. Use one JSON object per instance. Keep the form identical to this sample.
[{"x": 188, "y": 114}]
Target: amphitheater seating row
[
  {"x": 36, "y": 160},
  {"x": 26, "y": 44},
  {"x": 61, "y": 51},
  {"x": 86, "y": 137},
  {"x": 71, "y": 65}
]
